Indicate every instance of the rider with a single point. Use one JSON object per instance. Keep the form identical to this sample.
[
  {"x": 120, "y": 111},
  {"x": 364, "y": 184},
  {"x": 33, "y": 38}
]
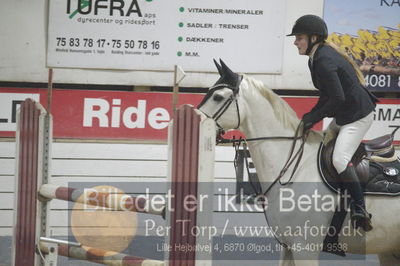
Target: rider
[{"x": 344, "y": 97}]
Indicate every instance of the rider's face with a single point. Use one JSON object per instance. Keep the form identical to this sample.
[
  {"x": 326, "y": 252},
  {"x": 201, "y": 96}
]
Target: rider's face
[{"x": 301, "y": 42}]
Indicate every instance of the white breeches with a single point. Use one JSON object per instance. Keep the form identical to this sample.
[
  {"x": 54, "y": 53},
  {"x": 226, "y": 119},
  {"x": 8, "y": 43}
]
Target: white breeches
[{"x": 348, "y": 139}]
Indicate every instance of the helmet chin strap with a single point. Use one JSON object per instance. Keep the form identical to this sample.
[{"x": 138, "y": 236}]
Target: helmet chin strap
[{"x": 310, "y": 45}]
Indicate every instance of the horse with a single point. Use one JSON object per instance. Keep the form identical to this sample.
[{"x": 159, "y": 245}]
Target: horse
[{"x": 244, "y": 103}]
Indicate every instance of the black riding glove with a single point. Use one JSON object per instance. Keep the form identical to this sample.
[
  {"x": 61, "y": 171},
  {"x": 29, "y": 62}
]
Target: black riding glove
[{"x": 308, "y": 121}]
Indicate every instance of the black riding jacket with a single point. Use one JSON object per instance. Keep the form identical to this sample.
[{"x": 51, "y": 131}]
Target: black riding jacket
[{"x": 342, "y": 95}]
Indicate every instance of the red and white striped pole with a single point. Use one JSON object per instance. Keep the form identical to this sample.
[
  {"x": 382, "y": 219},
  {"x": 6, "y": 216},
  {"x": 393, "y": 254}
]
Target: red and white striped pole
[
  {"x": 93, "y": 197},
  {"x": 105, "y": 257}
]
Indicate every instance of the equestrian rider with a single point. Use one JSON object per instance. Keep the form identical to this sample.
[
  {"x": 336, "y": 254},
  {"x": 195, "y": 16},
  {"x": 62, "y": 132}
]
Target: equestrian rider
[{"x": 344, "y": 97}]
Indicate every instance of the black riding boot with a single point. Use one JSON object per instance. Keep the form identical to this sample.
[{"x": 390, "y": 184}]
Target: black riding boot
[{"x": 359, "y": 216}]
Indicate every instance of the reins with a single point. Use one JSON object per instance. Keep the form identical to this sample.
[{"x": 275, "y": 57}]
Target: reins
[
  {"x": 294, "y": 157},
  {"x": 221, "y": 140}
]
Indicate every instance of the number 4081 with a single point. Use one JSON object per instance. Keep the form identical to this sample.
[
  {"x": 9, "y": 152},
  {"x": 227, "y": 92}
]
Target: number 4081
[{"x": 379, "y": 80}]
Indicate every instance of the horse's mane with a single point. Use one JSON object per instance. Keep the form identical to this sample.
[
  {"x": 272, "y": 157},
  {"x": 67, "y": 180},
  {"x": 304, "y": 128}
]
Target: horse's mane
[{"x": 283, "y": 112}]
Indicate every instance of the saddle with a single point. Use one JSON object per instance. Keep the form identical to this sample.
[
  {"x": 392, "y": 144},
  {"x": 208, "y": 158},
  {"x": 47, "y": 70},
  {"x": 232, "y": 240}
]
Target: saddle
[
  {"x": 375, "y": 162},
  {"x": 378, "y": 169}
]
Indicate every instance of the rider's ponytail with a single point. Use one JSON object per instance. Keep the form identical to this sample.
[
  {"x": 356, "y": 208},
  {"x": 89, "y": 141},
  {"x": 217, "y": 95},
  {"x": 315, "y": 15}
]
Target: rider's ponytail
[{"x": 360, "y": 76}]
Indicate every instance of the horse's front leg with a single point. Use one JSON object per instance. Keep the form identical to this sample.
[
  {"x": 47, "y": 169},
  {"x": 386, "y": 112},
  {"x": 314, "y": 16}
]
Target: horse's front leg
[
  {"x": 306, "y": 259},
  {"x": 291, "y": 258},
  {"x": 286, "y": 258}
]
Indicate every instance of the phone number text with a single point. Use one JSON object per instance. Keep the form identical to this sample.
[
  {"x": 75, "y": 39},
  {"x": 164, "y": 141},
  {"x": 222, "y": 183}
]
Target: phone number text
[{"x": 104, "y": 43}]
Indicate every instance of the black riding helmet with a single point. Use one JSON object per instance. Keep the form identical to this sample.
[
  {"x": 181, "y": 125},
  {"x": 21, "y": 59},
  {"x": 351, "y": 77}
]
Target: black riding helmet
[{"x": 310, "y": 25}]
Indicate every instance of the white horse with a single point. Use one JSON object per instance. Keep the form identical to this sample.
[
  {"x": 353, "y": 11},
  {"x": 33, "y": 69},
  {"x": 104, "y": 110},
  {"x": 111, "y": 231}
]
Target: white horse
[{"x": 298, "y": 210}]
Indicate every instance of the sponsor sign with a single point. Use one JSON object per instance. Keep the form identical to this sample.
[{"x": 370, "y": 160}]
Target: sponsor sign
[
  {"x": 369, "y": 31},
  {"x": 124, "y": 115},
  {"x": 141, "y": 115},
  {"x": 156, "y": 35},
  {"x": 115, "y": 115},
  {"x": 386, "y": 119}
]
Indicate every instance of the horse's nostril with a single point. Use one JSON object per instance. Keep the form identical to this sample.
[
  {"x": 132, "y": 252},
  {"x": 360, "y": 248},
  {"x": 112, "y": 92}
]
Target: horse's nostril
[{"x": 218, "y": 97}]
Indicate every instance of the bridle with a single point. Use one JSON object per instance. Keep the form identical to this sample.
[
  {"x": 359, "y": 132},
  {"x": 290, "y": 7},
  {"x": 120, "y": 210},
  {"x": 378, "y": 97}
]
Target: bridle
[{"x": 225, "y": 105}]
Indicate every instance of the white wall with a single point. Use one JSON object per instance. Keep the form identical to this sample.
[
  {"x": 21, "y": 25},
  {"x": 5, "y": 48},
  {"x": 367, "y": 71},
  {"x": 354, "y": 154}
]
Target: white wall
[
  {"x": 113, "y": 163},
  {"x": 23, "y": 52}
]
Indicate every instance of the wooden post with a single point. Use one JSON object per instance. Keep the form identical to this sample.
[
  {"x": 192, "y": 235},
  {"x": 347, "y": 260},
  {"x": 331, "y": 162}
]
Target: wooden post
[
  {"x": 30, "y": 219},
  {"x": 179, "y": 75},
  {"x": 49, "y": 90},
  {"x": 190, "y": 177}
]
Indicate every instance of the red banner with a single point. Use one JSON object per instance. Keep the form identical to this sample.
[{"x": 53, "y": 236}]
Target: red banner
[
  {"x": 114, "y": 115},
  {"x": 80, "y": 114}
]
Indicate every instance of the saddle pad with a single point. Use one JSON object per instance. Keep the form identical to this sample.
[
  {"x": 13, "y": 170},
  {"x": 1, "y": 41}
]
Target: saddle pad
[
  {"x": 384, "y": 176},
  {"x": 378, "y": 183}
]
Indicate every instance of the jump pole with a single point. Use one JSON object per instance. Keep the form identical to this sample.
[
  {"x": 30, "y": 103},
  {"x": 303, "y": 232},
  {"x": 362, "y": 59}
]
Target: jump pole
[
  {"x": 112, "y": 201},
  {"x": 97, "y": 255}
]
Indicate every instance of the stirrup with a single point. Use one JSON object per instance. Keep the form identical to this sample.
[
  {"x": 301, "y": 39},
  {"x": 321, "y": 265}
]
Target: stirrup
[{"x": 362, "y": 220}]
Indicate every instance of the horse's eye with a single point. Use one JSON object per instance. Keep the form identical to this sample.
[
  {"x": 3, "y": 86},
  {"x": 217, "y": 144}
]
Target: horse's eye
[{"x": 218, "y": 98}]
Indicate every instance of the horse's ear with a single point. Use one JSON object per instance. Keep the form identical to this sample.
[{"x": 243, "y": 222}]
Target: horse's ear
[
  {"x": 218, "y": 67},
  {"x": 226, "y": 70}
]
